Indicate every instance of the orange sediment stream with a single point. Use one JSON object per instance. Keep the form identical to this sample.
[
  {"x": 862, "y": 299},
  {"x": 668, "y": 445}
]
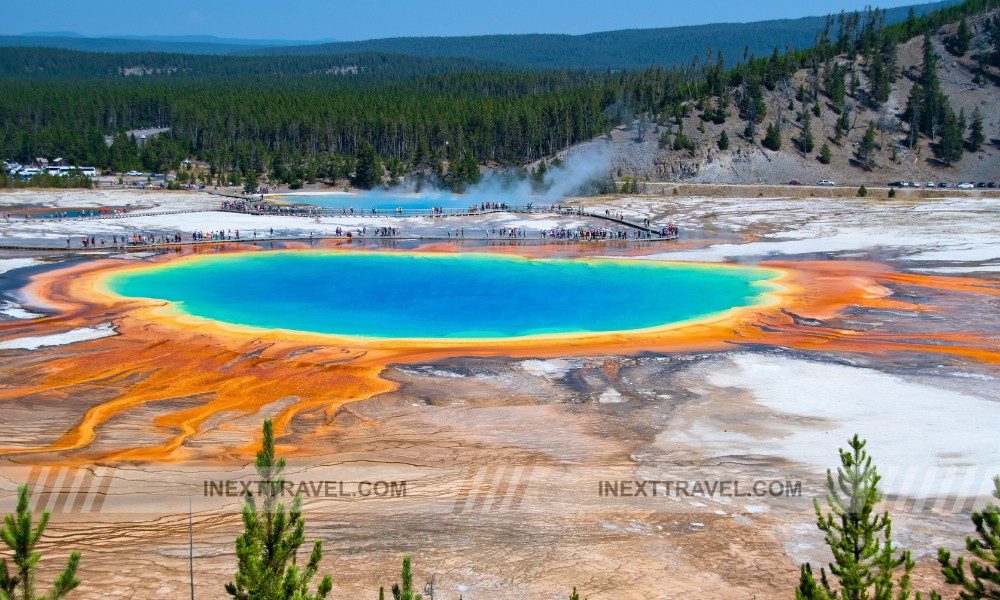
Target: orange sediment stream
[{"x": 214, "y": 371}]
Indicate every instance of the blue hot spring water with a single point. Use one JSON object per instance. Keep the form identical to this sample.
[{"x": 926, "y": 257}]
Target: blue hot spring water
[
  {"x": 387, "y": 202},
  {"x": 397, "y": 295}
]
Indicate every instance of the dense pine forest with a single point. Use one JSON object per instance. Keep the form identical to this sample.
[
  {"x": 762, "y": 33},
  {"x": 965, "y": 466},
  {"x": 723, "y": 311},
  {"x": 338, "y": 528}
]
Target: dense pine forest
[
  {"x": 305, "y": 118},
  {"x": 371, "y": 67}
]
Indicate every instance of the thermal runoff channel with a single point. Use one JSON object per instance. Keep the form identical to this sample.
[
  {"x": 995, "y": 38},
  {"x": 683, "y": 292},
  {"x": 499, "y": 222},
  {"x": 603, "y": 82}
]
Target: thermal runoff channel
[{"x": 391, "y": 295}]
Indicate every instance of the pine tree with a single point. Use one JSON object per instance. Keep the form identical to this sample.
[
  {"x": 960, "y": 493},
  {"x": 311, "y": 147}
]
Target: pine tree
[
  {"x": 368, "y": 172},
  {"x": 882, "y": 69},
  {"x": 538, "y": 175},
  {"x": 995, "y": 36},
  {"x": 911, "y": 22},
  {"x": 825, "y": 155},
  {"x": 723, "y": 142},
  {"x": 266, "y": 552},
  {"x": 950, "y": 147},
  {"x": 574, "y": 595},
  {"x": 463, "y": 172},
  {"x": 864, "y": 558},
  {"x": 862, "y": 191},
  {"x": 866, "y": 149},
  {"x": 18, "y": 534},
  {"x": 664, "y": 140},
  {"x": 963, "y": 38},
  {"x": 683, "y": 142},
  {"x": 404, "y": 589},
  {"x": 985, "y": 566},
  {"x": 752, "y": 106},
  {"x": 810, "y": 589},
  {"x": 772, "y": 141},
  {"x": 472, "y": 173},
  {"x": 250, "y": 183},
  {"x": 976, "y": 135},
  {"x": 806, "y": 142},
  {"x": 926, "y": 104}
]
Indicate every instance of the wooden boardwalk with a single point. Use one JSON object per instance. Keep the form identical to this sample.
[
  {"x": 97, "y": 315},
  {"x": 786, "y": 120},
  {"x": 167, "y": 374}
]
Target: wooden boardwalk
[{"x": 650, "y": 234}]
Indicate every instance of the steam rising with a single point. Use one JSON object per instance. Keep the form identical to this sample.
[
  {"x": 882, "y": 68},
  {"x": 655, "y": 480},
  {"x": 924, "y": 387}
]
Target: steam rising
[{"x": 582, "y": 171}]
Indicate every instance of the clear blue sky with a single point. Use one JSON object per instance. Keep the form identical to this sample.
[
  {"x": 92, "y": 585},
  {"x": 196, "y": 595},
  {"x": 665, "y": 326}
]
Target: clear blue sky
[{"x": 365, "y": 19}]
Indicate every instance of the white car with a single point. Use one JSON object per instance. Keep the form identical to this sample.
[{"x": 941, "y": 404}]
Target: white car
[
  {"x": 930, "y": 184},
  {"x": 134, "y": 174},
  {"x": 827, "y": 182},
  {"x": 966, "y": 186}
]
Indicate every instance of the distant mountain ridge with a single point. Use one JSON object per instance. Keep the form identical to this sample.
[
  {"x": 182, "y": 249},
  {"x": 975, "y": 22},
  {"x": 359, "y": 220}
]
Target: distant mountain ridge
[
  {"x": 117, "y": 45},
  {"x": 621, "y": 49},
  {"x": 176, "y": 44},
  {"x": 212, "y": 39},
  {"x": 67, "y": 34}
]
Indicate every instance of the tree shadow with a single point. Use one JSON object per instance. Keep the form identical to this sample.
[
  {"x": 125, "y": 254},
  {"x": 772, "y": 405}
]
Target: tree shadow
[
  {"x": 859, "y": 164},
  {"x": 937, "y": 163}
]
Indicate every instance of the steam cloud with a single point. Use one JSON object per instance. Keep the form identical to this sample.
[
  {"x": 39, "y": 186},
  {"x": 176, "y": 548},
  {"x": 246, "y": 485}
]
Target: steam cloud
[{"x": 581, "y": 167}]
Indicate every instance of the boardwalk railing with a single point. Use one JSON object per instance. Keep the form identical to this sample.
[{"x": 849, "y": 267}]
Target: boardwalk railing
[
  {"x": 403, "y": 212},
  {"x": 347, "y": 211}
]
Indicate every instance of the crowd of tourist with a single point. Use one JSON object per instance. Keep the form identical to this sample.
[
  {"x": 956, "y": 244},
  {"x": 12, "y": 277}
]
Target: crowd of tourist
[
  {"x": 592, "y": 233},
  {"x": 216, "y": 236},
  {"x": 124, "y": 241},
  {"x": 507, "y": 232},
  {"x": 386, "y": 231},
  {"x": 258, "y": 206},
  {"x": 250, "y": 206}
]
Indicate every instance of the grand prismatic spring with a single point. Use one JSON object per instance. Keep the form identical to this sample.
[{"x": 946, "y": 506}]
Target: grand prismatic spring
[
  {"x": 502, "y": 385},
  {"x": 393, "y": 295}
]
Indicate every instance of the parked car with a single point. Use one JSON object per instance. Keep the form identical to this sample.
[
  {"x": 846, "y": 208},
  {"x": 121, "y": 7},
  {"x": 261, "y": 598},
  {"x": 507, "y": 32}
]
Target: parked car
[
  {"x": 981, "y": 184},
  {"x": 896, "y": 184},
  {"x": 915, "y": 184},
  {"x": 134, "y": 174},
  {"x": 930, "y": 184},
  {"x": 942, "y": 185},
  {"x": 965, "y": 186},
  {"x": 795, "y": 182},
  {"x": 826, "y": 182},
  {"x": 991, "y": 184}
]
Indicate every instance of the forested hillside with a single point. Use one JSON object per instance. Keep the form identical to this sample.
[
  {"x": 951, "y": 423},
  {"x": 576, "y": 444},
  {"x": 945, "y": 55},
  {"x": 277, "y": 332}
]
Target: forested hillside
[
  {"x": 626, "y": 49},
  {"x": 912, "y": 101}
]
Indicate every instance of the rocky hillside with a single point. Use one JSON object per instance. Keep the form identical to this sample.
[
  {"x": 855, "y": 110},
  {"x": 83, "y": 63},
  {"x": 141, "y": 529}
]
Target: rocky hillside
[{"x": 640, "y": 153}]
